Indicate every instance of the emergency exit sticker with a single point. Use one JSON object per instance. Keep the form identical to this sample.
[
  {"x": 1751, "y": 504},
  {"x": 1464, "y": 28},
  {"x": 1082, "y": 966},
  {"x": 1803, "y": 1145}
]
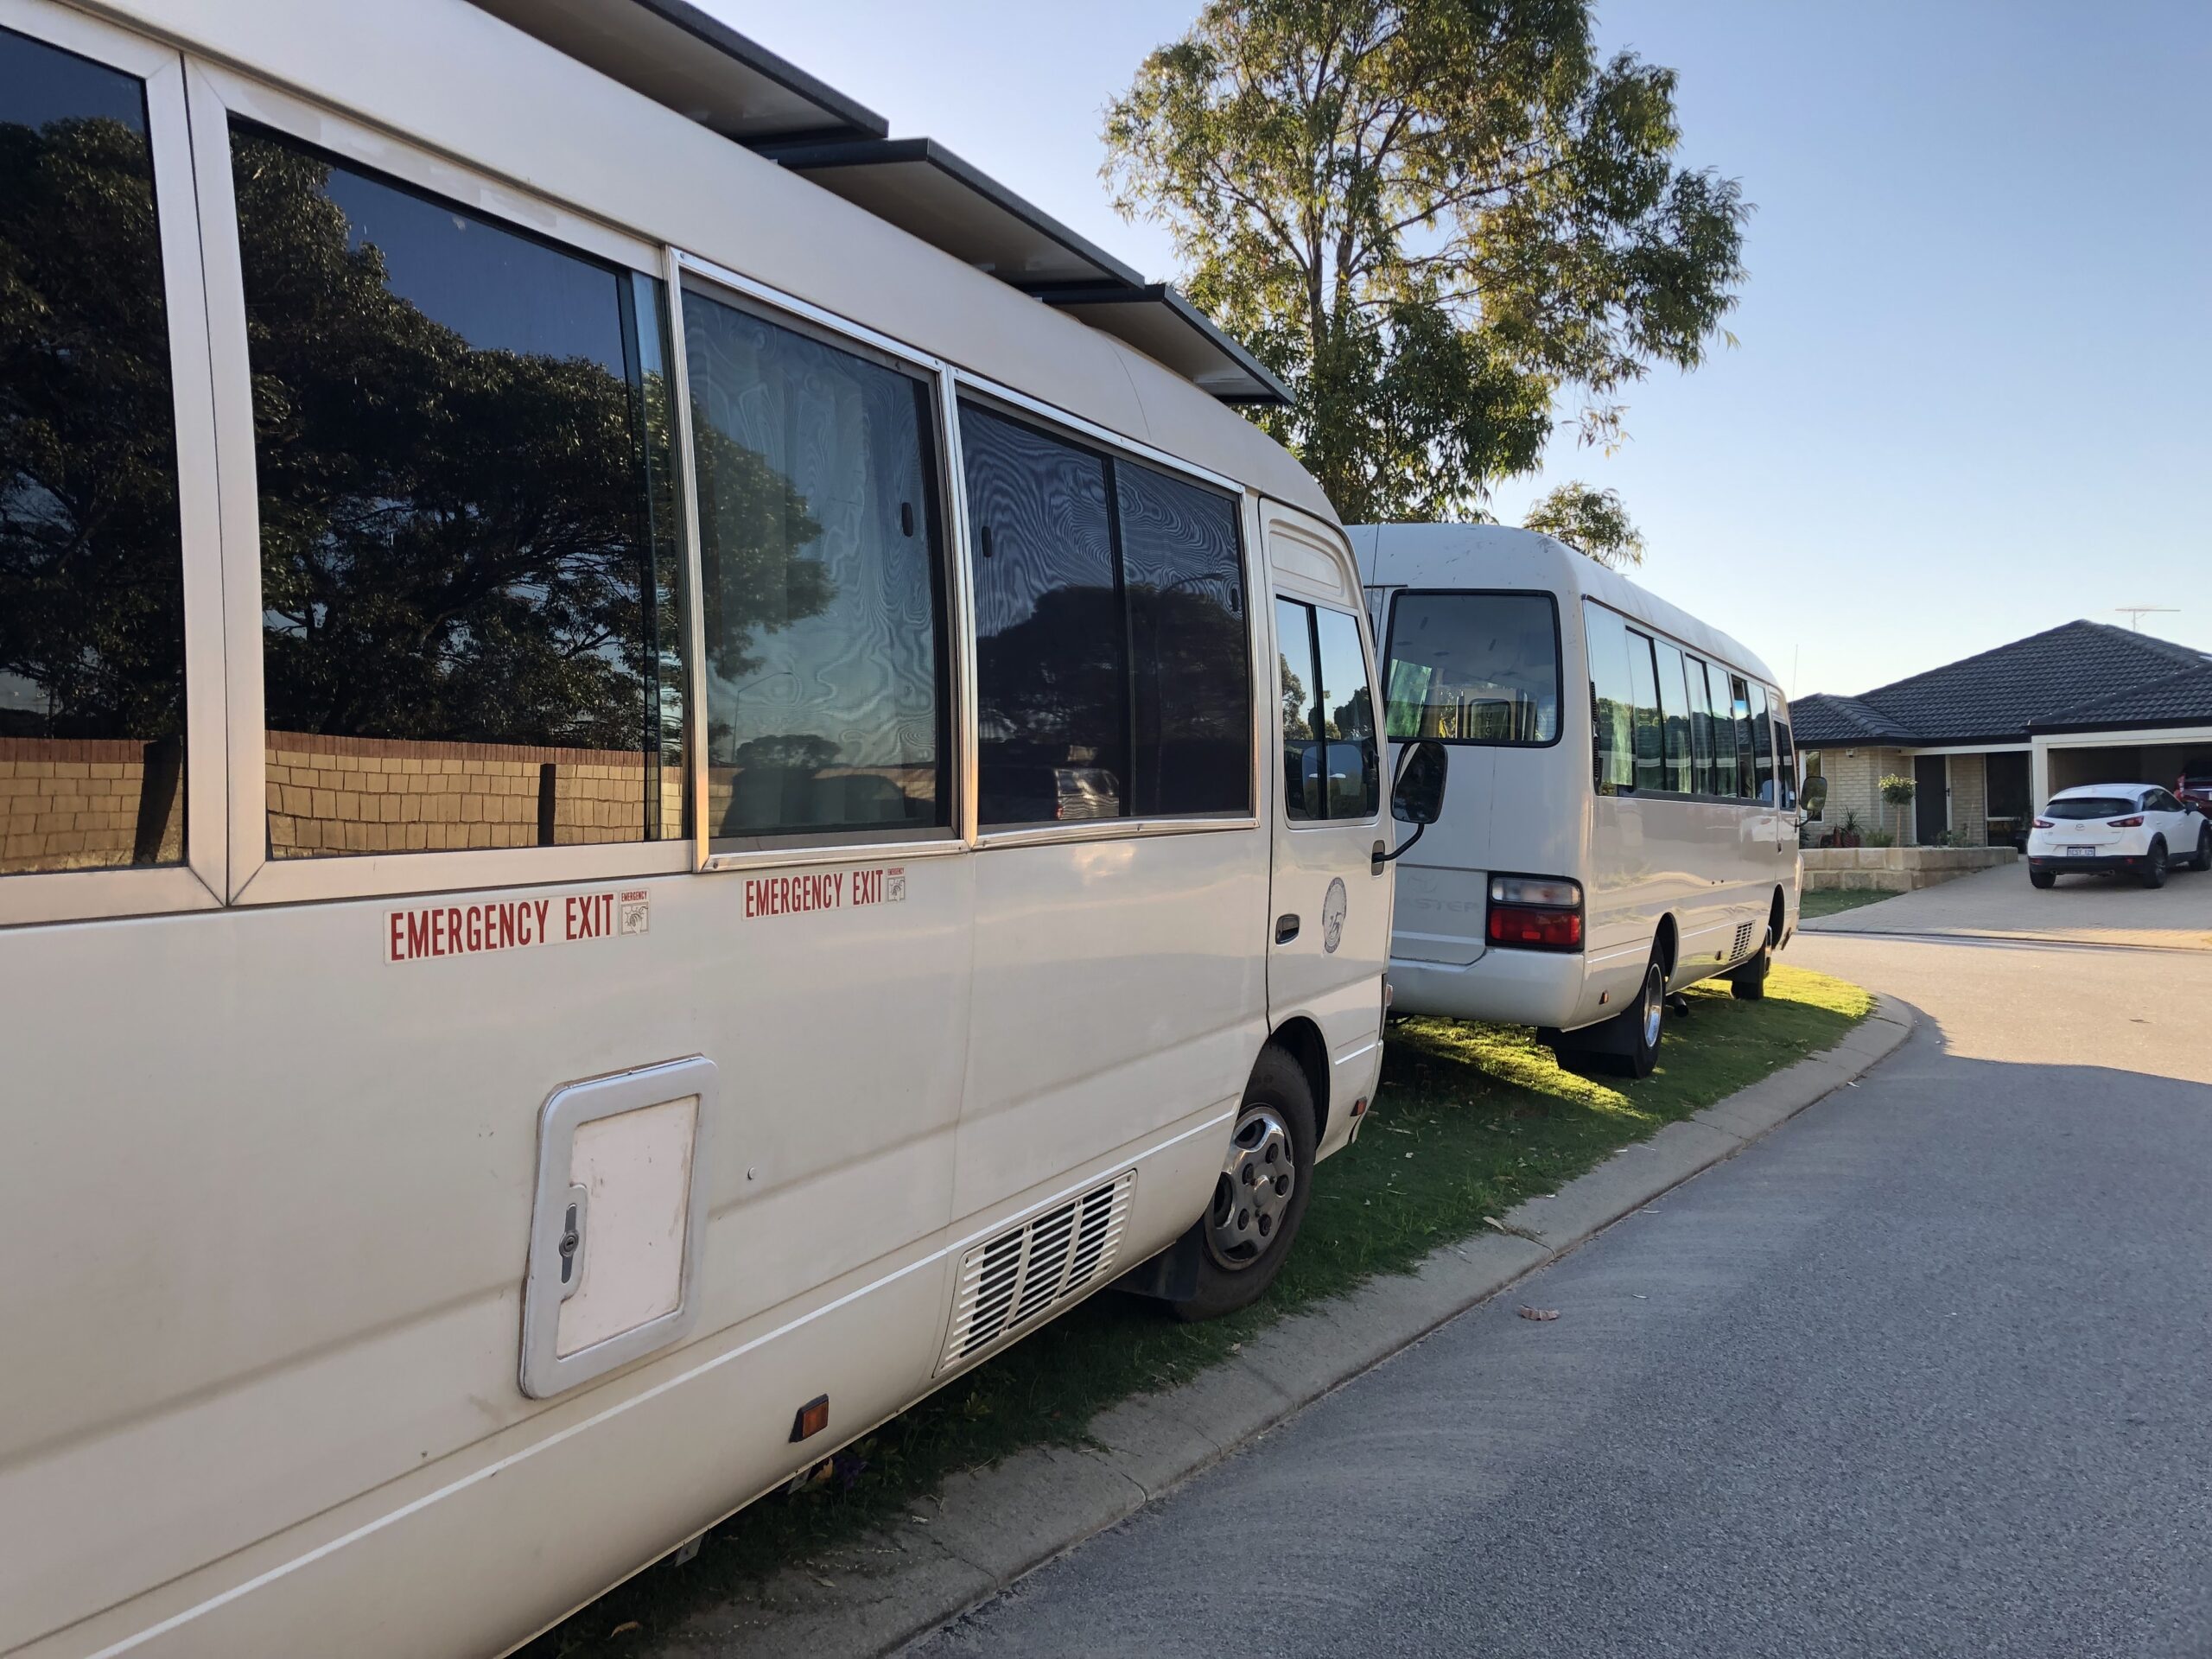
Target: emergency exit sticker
[
  {"x": 791, "y": 895},
  {"x": 515, "y": 924}
]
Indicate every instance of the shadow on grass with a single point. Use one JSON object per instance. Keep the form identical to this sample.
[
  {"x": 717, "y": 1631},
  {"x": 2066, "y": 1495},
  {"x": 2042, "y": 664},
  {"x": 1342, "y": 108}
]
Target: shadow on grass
[{"x": 1470, "y": 1120}]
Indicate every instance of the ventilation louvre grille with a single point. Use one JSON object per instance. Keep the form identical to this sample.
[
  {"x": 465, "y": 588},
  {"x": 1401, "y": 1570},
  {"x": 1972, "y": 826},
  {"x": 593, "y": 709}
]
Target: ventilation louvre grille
[
  {"x": 1742, "y": 947},
  {"x": 1009, "y": 1281}
]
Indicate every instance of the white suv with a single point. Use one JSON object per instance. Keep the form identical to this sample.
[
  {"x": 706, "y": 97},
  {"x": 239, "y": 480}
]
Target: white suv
[{"x": 2108, "y": 829}]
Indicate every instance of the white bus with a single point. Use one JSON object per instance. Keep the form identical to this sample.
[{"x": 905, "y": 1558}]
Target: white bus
[
  {"x": 643, "y": 815},
  {"x": 1621, "y": 820}
]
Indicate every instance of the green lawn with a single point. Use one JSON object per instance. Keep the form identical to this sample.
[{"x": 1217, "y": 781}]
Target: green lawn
[
  {"x": 1827, "y": 901},
  {"x": 1470, "y": 1119}
]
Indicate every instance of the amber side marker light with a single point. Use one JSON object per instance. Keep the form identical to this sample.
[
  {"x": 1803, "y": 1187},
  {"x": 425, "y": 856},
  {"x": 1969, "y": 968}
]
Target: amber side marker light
[{"x": 813, "y": 1417}]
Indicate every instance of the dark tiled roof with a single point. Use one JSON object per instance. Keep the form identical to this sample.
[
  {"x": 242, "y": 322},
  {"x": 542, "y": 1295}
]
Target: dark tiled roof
[
  {"x": 1997, "y": 696},
  {"x": 1823, "y": 718},
  {"x": 2182, "y": 699}
]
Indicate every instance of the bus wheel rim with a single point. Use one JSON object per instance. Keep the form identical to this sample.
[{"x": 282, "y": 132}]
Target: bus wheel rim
[
  {"x": 1254, "y": 1192},
  {"x": 1655, "y": 1008}
]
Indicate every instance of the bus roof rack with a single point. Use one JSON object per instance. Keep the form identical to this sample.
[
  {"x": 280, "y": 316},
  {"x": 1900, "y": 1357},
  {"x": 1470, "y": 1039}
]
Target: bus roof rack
[{"x": 687, "y": 61}]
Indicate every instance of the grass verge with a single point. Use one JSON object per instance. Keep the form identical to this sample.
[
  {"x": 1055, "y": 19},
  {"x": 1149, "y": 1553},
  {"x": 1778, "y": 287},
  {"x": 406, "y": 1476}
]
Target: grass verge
[
  {"x": 1828, "y": 901},
  {"x": 1470, "y": 1119}
]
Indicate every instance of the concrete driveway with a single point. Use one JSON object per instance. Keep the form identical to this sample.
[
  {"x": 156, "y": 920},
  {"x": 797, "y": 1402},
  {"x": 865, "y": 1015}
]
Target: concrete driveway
[
  {"x": 1920, "y": 1375},
  {"x": 1999, "y": 904}
]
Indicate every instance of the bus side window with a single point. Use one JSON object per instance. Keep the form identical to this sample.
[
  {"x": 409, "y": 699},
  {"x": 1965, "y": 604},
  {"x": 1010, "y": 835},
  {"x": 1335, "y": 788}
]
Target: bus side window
[
  {"x": 821, "y": 577},
  {"x": 1763, "y": 744},
  {"x": 1612, "y": 699},
  {"x": 468, "y": 548},
  {"x": 1354, "y": 776},
  {"x": 1740, "y": 721},
  {"x": 1671, "y": 684},
  {"x": 91, "y": 573},
  {"x": 1785, "y": 755},
  {"x": 1648, "y": 715},
  {"x": 1298, "y": 678}
]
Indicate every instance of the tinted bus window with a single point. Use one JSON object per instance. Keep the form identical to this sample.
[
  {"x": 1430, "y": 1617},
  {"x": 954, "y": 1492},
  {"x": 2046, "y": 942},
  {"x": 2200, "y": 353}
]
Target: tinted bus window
[
  {"x": 1612, "y": 699},
  {"x": 1703, "y": 766},
  {"x": 820, "y": 560},
  {"x": 1761, "y": 744},
  {"x": 1740, "y": 721},
  {"x": 1681, "y": 779},
  {"x": 1473, "y": 668},
  {"x": 1648, "y": 715},
  {"x": 1354, "y": 772},
  {"x": 1051, "y": 669},
  {"x": 92, "y": 580},
  {"x": 1191, "y": 668},
  {"x": 1785, "y": 753},
  {"x": 1298, "y": 683},
  {"x": 467, "y": 546}
]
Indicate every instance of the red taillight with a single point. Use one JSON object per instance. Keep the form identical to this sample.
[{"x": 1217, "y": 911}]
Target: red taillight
[
  {"x": 2135, "y": 823},
  {"x": 2045, "y": 823},
  {"x": 1547, "y": 930}
]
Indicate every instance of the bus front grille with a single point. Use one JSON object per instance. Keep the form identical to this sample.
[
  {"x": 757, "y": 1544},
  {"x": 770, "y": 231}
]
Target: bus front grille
[{"x": 1007, "y": 1281}]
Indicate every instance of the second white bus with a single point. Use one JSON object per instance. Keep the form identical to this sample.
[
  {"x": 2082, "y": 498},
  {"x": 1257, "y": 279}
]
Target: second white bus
[{"x": 1621, "y": 819}]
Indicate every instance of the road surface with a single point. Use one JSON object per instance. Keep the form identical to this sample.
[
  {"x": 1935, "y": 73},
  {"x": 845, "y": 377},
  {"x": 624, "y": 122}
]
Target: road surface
[{"x": 1927, "y": 1371}]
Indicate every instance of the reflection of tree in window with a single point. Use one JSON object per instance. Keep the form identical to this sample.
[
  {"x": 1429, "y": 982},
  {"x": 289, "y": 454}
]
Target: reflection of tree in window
[
  {"x": 91, "y": 632},
  {"x": 458, "y": 533}
]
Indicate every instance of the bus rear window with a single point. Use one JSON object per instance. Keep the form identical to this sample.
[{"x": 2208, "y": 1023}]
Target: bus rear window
[{"x": 1474, "y": 667}]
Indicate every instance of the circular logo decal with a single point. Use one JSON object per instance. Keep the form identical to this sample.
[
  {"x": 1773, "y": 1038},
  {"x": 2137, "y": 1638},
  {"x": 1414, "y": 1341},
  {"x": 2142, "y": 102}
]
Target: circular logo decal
[{"x": 1333, "y": 915}]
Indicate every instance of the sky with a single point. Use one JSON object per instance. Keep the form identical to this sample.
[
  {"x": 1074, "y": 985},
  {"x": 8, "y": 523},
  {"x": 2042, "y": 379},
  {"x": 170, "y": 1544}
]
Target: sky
[{"x": 1968, "y": 399}]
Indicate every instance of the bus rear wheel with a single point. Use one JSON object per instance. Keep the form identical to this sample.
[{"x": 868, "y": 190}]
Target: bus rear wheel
[
  {"x": 1747, "y": 980},
  {"x": 1260, "y": 1196},
  {"x": 1628, "y": 1044}
]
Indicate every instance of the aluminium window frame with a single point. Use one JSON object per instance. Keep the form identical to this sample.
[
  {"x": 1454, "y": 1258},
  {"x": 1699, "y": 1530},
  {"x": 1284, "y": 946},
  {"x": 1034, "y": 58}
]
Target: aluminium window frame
[
  {"x": 1388, "y": 654},
  {"x": 215, "y": 96},
  {"x": 199, "y": 882},
  {"x": 994, "y": 399}
]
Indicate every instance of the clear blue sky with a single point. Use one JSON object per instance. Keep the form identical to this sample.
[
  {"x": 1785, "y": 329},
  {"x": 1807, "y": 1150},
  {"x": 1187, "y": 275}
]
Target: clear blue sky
[{"x": 1969, "y": 401}]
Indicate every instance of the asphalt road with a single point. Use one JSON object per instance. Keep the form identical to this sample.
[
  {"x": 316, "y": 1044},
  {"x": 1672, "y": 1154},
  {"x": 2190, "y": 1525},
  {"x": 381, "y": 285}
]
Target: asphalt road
[{"x": 1927, "y": 1371}]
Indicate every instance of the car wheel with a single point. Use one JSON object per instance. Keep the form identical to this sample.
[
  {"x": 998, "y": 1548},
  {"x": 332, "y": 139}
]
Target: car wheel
[
  {"x": 2043, "y": 878},
  {"x": 2203, "y": 848},
  {"x": 1259, "y": 1197},
  {"x": 2154, "y": 866},
  {"x": 1747, "y": 981}
]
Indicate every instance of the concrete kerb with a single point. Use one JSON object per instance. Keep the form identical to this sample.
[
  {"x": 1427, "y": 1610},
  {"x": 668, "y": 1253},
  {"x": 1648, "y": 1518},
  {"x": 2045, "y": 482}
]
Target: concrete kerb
[{"x": 991, "y": 1527}]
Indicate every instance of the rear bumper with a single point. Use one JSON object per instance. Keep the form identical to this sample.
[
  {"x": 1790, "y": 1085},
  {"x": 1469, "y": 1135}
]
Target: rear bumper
[
  {"x": 1524, "y": 988},
  {"x": 2108, "y": 864}
]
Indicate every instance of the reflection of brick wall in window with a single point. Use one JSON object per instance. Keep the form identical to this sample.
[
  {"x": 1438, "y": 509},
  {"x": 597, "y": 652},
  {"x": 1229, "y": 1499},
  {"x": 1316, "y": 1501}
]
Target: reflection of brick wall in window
[
  {"x": 382, "y": 794},
  {"x": 79, "y": 804}
]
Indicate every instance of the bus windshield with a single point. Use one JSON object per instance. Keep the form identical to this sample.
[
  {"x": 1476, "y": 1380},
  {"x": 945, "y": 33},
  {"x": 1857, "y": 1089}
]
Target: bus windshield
[{"x": 1474, "y": 667}]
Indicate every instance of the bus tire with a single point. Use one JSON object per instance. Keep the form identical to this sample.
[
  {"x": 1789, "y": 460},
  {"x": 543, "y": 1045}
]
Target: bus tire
[
  {"x": 1747, "y": 980},
  {"x": 1259, "y": 1197},
  {"x": 1626, "y": 1046}
]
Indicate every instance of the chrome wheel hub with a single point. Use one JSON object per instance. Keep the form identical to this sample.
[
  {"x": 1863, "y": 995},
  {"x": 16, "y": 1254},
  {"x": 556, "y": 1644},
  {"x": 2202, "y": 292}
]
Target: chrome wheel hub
[
  {"x": 1655, "y": 1006},
  {"x": 1254, "y": 1192}
]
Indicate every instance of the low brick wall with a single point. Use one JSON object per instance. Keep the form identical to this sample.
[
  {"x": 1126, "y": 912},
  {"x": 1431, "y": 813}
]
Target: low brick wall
[
  {"x": 86, "y": 804},
  {"x": 1895, "y": 869},
  {"x": 383, "y": 795}
]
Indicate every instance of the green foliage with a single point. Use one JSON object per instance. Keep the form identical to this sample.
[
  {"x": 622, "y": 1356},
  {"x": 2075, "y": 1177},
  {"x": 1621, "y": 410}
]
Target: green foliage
[
  {"x": 1897, "y": 791},
  {"x": 1590, "y": 521},
  {"x": 1880, "y": 838},
  {"x": 1429, "y": 216}
]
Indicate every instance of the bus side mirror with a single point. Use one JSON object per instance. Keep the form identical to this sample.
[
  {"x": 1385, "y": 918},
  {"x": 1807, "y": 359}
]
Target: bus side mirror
[
  {"x": 1417, "y": 797},
  {"x": 1814, "y": 795}
]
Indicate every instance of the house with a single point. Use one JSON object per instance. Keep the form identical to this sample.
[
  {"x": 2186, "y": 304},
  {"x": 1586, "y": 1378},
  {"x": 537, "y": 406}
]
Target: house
[{"x": 1989, "y": 738}]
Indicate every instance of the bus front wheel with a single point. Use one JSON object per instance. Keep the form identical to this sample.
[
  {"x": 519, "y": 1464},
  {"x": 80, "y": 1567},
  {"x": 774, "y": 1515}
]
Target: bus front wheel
[{"x": 1259, "y": 1197}]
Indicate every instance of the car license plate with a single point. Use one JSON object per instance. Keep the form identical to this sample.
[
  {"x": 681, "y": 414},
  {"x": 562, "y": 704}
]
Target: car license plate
[{"x": 2081, "y": 852}]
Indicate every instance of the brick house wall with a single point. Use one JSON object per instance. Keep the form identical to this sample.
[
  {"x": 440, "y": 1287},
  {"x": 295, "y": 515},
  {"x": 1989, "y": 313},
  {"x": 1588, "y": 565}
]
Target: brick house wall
[
  {"x": 1854, "y": 779},
  {"x": 77, "y": 803}
]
